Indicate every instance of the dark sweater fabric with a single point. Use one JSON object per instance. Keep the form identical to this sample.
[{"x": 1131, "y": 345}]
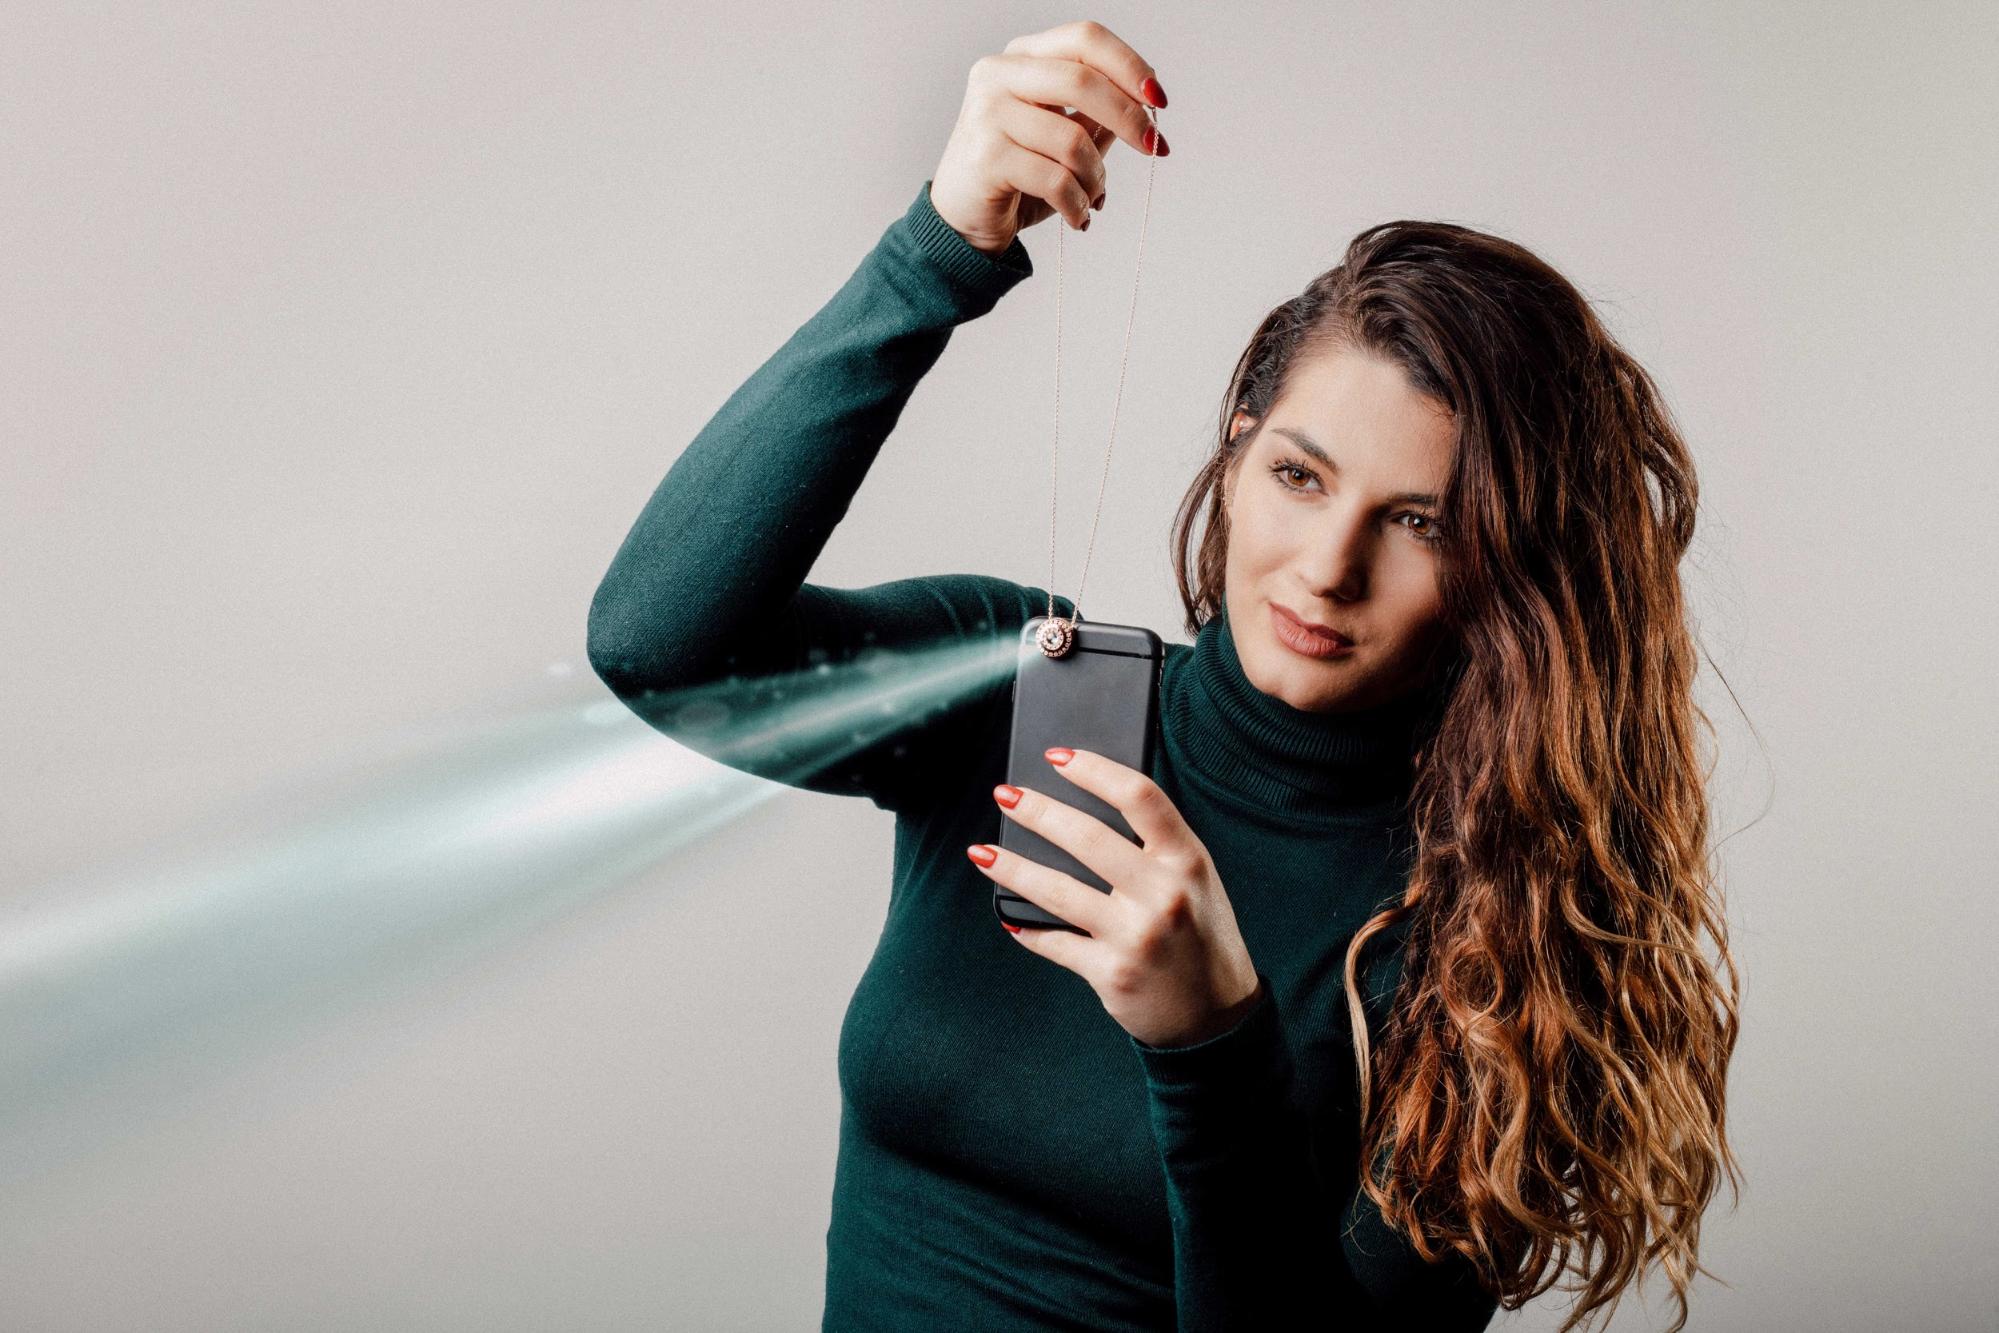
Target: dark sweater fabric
[{"x": 1010, "y": 1158}]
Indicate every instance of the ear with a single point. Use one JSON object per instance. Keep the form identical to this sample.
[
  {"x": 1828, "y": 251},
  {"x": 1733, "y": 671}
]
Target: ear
[{"x": 1237, "y": 425}]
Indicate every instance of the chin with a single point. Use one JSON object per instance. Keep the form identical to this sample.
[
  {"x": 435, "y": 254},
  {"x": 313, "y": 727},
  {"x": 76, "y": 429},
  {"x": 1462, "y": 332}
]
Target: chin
[{"x": 1299, "y": 681}]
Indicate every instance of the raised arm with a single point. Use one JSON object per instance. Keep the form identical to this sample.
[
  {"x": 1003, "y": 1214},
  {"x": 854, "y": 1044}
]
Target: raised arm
[{"x": 705, "y": 619}]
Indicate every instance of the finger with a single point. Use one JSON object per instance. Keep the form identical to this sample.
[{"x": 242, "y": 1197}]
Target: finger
[
  {"x": 1032, "y": 174},
  {"x": 1064, "y": 947},
  {"x": 1062, "y": 138},
  {"x": 1057, "y": 80},
  {"x": 1047, "y": 888},
  {"x": 1101, "y": 137},
  {"x": 1091, "y": 43},
  {"x": 1144, "y": 804},
  {"x": 1108, "y": 853}
]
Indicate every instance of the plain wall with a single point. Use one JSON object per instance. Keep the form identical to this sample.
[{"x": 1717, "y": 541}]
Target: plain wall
[{"x": 343, "y": 345}]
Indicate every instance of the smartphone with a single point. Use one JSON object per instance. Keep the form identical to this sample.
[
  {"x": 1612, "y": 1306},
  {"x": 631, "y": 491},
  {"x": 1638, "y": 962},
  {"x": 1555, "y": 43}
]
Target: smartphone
[{"x": 1102, "y": 695}]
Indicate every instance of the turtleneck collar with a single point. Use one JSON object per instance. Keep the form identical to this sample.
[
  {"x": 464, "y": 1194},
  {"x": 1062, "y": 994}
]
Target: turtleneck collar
[{"x": 1273, "y": 757}]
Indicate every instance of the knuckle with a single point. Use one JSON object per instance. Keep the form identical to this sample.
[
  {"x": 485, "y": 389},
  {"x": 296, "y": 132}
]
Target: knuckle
[
  {"x": 1153, "y": 940},
  {"x": 1080, "y": 144}
]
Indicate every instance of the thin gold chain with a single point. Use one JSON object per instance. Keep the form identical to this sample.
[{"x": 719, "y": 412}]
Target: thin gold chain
[{"x": 1152, "y": 118}]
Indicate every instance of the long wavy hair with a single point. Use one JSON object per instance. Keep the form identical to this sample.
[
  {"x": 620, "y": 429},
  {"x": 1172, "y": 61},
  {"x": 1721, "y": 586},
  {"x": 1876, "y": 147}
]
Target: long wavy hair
[{"x": 1549, "y": 1091}]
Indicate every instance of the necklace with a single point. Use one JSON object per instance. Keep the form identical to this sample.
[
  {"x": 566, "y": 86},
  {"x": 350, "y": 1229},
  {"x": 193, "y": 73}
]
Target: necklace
[{"x": 1057, "y": 635}]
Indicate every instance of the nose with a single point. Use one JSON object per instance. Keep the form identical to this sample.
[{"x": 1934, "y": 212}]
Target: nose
[{"x": 1337, "y": 564}]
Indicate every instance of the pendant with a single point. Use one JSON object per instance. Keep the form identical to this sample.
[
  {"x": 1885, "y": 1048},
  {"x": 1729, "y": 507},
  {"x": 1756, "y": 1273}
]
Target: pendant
[{"x": 1055, "y": 637}]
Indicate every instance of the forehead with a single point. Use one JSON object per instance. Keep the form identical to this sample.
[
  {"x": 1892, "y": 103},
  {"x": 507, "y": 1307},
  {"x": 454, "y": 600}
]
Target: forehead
[{"x": 1362, "y": 410}]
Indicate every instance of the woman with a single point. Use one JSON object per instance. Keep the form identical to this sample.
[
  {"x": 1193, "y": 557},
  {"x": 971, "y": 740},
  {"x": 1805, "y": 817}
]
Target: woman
[{"x": 1426, "y": 897}]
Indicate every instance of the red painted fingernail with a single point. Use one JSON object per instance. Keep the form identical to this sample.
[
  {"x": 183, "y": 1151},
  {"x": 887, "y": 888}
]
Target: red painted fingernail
[
  {"x": 982, "y": 854},
  {"x": 1153, "y": 92},
  {"x": 1013, "y": 928},
  {"x": 1008, "y": 796},
  {"x": 1151, "y": 139},
  {"x": 1058, "y": 754}
]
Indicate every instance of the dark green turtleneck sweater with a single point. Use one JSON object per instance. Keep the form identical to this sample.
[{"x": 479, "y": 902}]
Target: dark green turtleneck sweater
[{"x": 1009, "y": 1157}]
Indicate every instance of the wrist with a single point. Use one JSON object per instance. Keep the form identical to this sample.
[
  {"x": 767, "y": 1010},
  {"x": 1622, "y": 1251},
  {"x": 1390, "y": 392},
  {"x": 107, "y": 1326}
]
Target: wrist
[
  {"x": 1235, "y": 1013},
  {"x": 981, "y": 270}
]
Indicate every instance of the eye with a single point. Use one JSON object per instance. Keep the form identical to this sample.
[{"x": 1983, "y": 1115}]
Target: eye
[
  {"x": 1284, "y": 467},
  {"x": 1428, "y": 535}
]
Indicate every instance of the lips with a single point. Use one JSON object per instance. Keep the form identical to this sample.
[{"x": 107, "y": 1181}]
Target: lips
[{"x": 1325, "y": 632}]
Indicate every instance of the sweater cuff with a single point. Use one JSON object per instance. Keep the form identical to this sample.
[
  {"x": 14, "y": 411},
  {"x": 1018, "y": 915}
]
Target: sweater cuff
[
  {"x": 1242, "y": 1056},
  {"x": 987, "y": 277}
]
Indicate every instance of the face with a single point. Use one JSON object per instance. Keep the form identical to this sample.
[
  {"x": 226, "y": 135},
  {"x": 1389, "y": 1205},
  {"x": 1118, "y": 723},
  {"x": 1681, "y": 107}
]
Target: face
[{"x": 1333, "y": 513}]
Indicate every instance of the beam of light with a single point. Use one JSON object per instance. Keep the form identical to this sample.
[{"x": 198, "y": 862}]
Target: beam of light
[{"x": 124, "y": 990}]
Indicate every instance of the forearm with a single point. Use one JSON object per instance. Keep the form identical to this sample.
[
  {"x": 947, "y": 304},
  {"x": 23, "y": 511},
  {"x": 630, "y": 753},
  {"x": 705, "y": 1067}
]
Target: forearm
[
  {"x": 1255, "y": 1222},
  {"x": 1270, "y": 1227}
]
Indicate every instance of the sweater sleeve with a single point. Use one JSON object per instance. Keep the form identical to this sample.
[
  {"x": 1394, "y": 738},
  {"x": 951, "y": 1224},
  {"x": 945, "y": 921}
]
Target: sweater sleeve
[
  {"x": 704, "y": 624},
  {"x": 1266, "y": 1234}
]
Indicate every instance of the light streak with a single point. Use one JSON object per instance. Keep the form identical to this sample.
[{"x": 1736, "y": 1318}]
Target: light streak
[{"x": 132, "y": 985}]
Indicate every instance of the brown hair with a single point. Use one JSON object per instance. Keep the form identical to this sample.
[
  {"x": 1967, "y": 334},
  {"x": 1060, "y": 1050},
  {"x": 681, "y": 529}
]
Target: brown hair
[{"x": 1549, "y": 1087}]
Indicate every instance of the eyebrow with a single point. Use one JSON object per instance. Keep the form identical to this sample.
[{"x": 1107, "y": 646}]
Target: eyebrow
[{"x": 1305, "y": 442}]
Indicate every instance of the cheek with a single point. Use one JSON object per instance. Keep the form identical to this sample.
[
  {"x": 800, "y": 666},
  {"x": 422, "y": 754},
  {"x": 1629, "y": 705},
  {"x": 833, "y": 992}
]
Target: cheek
[
  {"x": 1265, "y": 532},
  {"x": 1409, "y": 592}
]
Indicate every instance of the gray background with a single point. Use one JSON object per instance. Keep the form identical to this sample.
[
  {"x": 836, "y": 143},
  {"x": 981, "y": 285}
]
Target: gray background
[{"x": 344, "y": 343}]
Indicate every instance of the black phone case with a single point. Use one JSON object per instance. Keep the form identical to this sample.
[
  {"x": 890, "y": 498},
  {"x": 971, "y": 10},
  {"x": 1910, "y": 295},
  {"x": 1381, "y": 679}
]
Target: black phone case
[{"x": 1102, "y": 695}]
